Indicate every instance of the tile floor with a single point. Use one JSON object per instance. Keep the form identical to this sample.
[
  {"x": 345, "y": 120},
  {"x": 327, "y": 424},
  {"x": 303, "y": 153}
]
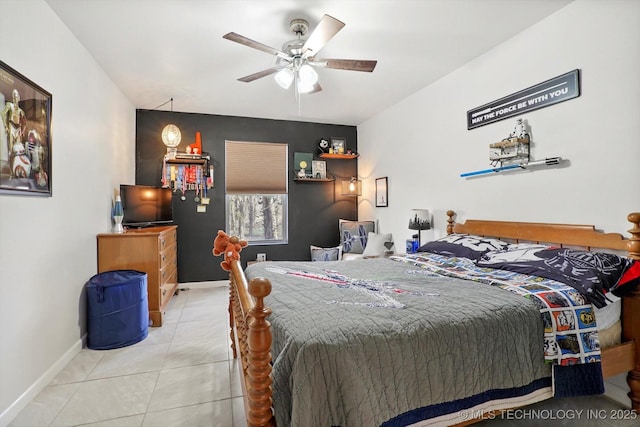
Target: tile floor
[{"x": 182, "y": 374}]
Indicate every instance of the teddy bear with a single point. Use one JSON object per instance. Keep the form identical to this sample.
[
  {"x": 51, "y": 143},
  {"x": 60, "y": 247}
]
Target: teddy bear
[{"x": 228, "y": 246}]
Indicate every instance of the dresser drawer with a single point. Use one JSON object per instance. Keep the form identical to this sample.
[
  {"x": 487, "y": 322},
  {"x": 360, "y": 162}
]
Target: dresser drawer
[
  {"x": 167, "y": 256},
  {"x": 168, "y": 288},
  {"x": 166, "y": 240},
  {"x": 169, "y": 272}
]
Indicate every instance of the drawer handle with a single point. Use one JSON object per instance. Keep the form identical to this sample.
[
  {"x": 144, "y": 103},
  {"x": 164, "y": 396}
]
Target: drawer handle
[
  {"x": 164, "y": 257},
  {"x": 164, "y": 292}
]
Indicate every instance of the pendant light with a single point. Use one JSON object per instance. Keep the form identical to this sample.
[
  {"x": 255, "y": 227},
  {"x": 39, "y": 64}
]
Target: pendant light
[{"x": 171, "y": 135}]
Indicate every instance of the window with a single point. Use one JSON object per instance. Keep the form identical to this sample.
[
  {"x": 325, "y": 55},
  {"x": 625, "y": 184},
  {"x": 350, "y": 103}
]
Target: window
[{"x": 256, "y": 191}]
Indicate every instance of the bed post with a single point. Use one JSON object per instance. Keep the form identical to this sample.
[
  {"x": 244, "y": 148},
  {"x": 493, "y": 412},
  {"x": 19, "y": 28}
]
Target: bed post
[
  {"x": 631, "y": 315},
  {"x": 232, "y": 303},
  {"x": 450, "y": 222},
  {"x": 259, "y": 370}
]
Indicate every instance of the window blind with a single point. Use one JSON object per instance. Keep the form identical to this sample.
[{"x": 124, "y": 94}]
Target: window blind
[{"x": 256, "y": 167}]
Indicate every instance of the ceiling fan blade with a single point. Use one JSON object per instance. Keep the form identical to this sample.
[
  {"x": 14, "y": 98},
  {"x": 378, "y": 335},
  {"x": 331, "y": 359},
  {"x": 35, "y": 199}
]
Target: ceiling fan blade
[
  {"x": 263, "y": 73},
  {"x": 234, "y": 37},
  {"x": 316, "y": 88},
  {"x": 326, "y": 29},
  {"x": 345, "y": 64}
]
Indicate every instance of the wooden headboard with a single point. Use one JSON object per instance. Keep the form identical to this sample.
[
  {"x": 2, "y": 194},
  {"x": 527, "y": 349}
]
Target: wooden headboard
[{"x": 585, "y": 236}]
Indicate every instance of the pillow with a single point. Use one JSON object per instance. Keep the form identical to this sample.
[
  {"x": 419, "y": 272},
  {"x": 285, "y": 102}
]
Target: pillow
[
  {"x": 376, "y": 244},
  {"x": 326, "y": 254},
  {"x": 354, "y": 235},
  {"x": 463, "y": 245},
  {"x": 593, "y": 274}
]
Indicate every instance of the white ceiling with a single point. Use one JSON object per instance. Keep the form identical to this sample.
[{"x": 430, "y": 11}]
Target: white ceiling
[{"x": 158, "y": 49}]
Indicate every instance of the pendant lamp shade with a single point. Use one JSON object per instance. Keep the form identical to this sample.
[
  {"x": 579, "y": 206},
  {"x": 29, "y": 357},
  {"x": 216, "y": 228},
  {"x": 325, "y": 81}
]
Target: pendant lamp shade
[{"x": 171, "y": 136}]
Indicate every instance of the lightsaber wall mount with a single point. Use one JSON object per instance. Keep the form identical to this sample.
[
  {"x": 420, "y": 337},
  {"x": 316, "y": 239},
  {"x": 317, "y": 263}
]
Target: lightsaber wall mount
[{"x": 549, "y": 161}]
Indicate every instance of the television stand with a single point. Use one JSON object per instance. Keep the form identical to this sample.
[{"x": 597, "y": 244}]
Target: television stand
[{"x": 152, "y": 250}]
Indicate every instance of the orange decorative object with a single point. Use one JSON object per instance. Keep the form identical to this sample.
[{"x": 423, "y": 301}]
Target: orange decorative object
[
  {"x": 196, "y": 147},
  {"x": 228, "y": 246}
]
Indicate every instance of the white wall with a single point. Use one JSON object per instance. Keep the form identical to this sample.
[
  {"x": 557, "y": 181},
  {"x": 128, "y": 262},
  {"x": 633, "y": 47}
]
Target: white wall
[
  {"x": 48, "y": 245},
  {"x": 422, "y": 143}
]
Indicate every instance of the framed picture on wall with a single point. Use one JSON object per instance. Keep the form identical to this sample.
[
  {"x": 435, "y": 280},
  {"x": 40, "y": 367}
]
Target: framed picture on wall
[
  {"x": 25, "y": 135},
  {"x": 339, "y": 145},
  {"x": 382, "y": 193},
  {"x": 319, "y": 169}
]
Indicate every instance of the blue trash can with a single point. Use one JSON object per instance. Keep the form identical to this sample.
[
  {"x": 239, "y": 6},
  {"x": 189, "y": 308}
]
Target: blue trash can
[{"x": 117, "y": 309}]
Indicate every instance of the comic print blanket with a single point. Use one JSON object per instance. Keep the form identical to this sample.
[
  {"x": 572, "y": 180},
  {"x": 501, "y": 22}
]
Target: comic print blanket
[{"x": 570, "y": 329}]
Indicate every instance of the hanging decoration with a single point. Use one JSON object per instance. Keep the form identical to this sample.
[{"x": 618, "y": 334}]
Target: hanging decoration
[{"x": 190, "y": 171}]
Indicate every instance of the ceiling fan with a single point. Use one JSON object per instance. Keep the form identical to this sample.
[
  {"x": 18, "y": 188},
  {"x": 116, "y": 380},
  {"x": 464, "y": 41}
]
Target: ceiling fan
[{"x": 296, "y": 60}]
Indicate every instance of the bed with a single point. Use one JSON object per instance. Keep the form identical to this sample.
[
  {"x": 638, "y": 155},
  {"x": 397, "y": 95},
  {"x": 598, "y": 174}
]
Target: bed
[{"x": 302, "y": 366}]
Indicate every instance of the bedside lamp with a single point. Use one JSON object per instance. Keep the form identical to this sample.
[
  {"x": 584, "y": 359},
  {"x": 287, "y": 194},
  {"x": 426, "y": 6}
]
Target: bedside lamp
[
  {"x": 353, "y": 187},
  {"x": 420, "y": 220}
]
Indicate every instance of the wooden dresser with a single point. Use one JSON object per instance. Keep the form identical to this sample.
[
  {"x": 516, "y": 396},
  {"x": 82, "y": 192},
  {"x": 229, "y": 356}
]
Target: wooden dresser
[{"x": 151, "y": 250}]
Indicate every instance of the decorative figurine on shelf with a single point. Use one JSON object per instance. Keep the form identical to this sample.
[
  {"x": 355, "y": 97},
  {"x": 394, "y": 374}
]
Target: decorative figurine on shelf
[
  {"x": 196, "y": 147},
  {"x": 301, "y": 172},
  {"x": 520, "y": 130},
  {"x": 515, "y": 147},
  {"x": 323, "y": 145}
]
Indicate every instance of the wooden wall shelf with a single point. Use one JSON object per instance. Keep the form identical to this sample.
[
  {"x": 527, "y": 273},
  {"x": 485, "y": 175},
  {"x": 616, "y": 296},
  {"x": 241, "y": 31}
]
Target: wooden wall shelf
[
  {"x": 314, "y": 179},
  {"x": 202, "y": 161},
  {"x": 338, "y": 156}
]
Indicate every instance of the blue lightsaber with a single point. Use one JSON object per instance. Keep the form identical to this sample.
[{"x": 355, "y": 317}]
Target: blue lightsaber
[{"x": 546, "y": 162}]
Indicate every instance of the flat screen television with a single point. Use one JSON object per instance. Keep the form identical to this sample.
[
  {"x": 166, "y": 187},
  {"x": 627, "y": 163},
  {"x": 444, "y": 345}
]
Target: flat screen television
[{"x": 146, "y": 206}]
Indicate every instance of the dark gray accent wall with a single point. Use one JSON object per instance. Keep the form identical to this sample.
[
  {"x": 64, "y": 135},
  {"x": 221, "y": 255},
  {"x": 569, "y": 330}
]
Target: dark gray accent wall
[{"x": 314, "y": 207}]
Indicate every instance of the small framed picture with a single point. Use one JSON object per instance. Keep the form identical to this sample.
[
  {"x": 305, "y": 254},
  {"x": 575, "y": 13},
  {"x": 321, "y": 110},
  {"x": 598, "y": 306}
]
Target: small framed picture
[
  {"x": 319, "y": 169},
  {"x": 302, "y": 161},
  {"x": 339, "y": 145},
  {"x": 382, "y": 193}
]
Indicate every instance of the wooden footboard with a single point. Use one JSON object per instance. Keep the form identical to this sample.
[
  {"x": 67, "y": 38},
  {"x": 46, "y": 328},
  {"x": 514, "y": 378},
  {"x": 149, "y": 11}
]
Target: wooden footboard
[{"x": 251, "y": 335}]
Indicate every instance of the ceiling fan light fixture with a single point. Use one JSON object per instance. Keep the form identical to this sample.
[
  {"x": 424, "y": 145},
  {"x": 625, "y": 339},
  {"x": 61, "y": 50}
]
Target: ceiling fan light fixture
[
  {"x": 284, "y": 78},
  {"x": 303, "y": 87}
]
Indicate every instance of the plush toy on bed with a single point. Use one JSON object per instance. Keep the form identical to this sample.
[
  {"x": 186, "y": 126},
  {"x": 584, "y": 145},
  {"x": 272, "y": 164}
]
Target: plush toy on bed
[{"x": 229, "y": 246}]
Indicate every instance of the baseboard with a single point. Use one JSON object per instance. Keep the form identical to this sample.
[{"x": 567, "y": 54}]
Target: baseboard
[
  {"x": 202, "y": 285},
  {"x": 45, "y": 379}
]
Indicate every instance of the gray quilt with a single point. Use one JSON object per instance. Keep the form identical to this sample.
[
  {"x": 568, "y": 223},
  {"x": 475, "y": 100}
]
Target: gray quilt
[{"x": 357, "y": 343}]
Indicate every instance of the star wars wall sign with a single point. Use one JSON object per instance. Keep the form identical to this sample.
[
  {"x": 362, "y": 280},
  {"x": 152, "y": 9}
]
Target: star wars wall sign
[
  {"x": 25, "y": 135},
  {"x": 553, "y": 91}
]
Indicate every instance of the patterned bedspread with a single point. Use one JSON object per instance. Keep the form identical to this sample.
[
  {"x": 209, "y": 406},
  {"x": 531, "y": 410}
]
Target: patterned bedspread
[
  {"x": 378, "y": 342},
  {"x": 570, "y": 329}
]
